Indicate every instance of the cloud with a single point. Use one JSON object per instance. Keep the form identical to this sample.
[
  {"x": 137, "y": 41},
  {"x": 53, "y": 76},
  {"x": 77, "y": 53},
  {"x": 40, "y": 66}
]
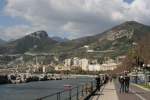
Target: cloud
[
  {"x": 13, "y": 32},
  {"x": 77, "y": 18}
]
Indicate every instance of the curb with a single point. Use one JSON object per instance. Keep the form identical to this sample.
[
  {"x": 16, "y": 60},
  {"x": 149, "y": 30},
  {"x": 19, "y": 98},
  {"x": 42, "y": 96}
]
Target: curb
[{"x": 141, "y": 87}]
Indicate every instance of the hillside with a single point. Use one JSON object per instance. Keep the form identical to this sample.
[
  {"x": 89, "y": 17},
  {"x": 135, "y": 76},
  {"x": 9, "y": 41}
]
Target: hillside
[
  {"x": 2, "y": 42},
  {"x": 37, "y": 41},
  {"x": 59, "y": 39},
  {"x": 113, "y": 42}
]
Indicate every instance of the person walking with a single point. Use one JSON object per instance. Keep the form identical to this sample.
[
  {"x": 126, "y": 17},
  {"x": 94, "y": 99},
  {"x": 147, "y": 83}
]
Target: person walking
[
  {"x": 110, "y": 79},
  {"x": 106, "y": 79},
  {"x": 98, "y": 82},
  {"x": 121, "y": 81},
  {"x": 126, "y": 82}
]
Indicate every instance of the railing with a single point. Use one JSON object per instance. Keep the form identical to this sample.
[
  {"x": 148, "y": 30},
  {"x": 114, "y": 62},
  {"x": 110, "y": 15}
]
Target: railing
[{"x": 81, "y": 92}]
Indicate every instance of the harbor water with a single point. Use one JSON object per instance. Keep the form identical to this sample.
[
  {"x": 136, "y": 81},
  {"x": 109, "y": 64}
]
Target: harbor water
[{"x": 34, "y": 90}]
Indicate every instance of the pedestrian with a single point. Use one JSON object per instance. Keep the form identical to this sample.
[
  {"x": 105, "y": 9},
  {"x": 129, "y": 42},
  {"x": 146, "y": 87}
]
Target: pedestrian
[
  {"x": 98, "y": 81},
  {"x": 106, "y": 79},
  {"x": 121, "y": 81},
  {"x": 110, "y": 78},
  {"x": 127, "y": 82}
]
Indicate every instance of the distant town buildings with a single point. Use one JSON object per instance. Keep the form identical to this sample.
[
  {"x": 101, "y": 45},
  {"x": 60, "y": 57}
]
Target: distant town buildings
[
  {"x": 89, "y": 65},
  {"x": 69, "y": 64},
  {"x": 108, "y": 64}
]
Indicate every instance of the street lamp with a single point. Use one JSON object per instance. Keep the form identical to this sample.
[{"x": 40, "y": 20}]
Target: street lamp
[
  {"x": 135, "y": 75},
  {"x": 146, "y": 72}
]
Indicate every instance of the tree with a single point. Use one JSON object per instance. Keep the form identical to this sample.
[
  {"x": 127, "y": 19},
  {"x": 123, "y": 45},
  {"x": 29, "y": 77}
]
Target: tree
[
  {"x": 138, "y": 55},
  {"x": 143, "y": 49}
]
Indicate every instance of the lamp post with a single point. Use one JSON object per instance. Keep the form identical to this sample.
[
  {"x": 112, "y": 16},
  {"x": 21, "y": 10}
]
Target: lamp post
[
  {"x": 146, "y": 73},
  {"x": 136, "y": 75}
]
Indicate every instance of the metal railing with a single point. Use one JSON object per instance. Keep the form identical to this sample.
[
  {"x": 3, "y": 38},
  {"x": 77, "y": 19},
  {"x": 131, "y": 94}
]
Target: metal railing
[{"x": 80, "y": 92}]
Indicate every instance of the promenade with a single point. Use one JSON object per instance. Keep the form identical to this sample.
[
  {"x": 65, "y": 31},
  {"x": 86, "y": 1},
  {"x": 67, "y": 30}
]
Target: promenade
[
  {"x": 107, "y": 92},
  {"x": 111, "y": 92}
]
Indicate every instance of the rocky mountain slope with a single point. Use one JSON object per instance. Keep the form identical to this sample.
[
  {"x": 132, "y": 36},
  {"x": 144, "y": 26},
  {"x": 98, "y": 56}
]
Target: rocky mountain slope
[
  {"x": 2, "y": 42},
  {"x": 37, "y": 41},
  {"x": 113, "y": 42},
  {"x": 59, "y": 39}
]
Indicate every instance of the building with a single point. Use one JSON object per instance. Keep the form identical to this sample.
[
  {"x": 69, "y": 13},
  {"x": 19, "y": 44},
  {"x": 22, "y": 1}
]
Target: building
[
  {"x": 94, "y": 67},
  {"x": 108, "y": 66},
  {"x": 62, "y": 68},
  {"x": 44, "y": 69},
  {"x": 102, "y": 67},
  {"x": 76, "y": 62},
  {"x": 84, "y": 64},
  {"x": 67, "y": 64},
  {"x": 120, "y": 59}
]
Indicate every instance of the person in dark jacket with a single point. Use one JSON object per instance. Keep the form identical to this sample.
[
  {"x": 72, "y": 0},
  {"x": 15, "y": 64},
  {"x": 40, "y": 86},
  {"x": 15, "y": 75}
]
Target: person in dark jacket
[
  {"x": 121, "y": 81},
  {"x": 98, "y": 82},
  {"x": 106, "y": 79},
  {"x": 126, "y": 82}
]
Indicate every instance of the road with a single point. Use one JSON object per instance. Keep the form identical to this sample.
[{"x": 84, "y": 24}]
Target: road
[{"x": 135, "y": 93}]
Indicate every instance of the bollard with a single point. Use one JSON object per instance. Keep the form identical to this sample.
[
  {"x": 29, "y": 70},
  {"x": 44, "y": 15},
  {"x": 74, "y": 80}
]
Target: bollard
[
  {"x": 91, "y": 86},
  {"x": 38, "y": 99},
  {"x": 77, "y": 93},
  {"x": 70, "y": 94},
  {"x": 82, "y": 90},
  {"x": 58, "y": 96},
  {"x": 86, "y": 89}
]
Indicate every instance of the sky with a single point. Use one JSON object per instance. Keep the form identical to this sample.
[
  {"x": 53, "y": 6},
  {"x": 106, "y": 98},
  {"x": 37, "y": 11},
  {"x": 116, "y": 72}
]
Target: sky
[{"x": 68, "y": 18}]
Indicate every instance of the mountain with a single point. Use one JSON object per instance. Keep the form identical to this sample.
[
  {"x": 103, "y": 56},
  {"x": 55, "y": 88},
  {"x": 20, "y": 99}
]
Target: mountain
[
  {"x": 113, "y": 42},
  {"x": 59, "y": 39},
  {"x": 2, "y": 42},
  {"x": 37, "y": 41}
]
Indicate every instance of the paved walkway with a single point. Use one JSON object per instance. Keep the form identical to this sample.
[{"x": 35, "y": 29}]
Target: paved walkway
[
  {"x": 108, "y": 92},
  {"x": 111, "y": 92},
  {"x": 135, "y": 93}
]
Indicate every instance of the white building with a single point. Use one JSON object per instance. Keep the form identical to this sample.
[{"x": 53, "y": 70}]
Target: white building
[
  {"x": 67, "y": 64},
  {"x": 94, "y": 67},
  {"x": 109, "y": 66},
  {"x": 84, "y": 64},
  {"x": 76, "y": 62},
  {"x": 103, "y": 67},
  {"x": 62, "y": 68},
  {"x": 120, "y": 59},
  {"x": 44, "y": 69}
]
